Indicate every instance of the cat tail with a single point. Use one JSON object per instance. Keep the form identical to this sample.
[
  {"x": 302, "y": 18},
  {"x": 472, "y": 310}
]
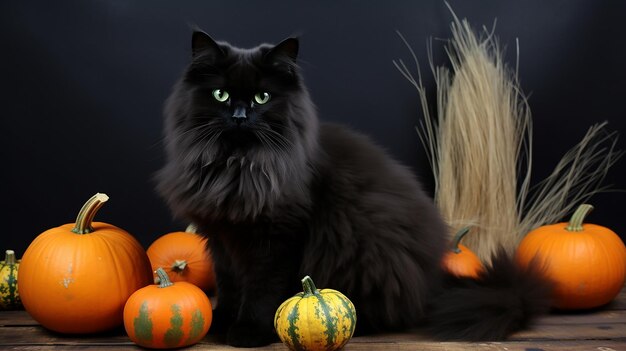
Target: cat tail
[{"x": 504, "y": 299}]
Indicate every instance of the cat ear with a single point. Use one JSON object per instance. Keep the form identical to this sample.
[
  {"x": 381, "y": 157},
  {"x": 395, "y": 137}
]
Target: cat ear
[
  {"x": 286, "y": 50},
  {"x": 203, "y": 43}
]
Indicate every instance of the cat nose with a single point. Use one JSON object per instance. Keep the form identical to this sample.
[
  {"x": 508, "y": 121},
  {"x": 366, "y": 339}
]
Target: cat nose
[{"x": 240, "y": 114}]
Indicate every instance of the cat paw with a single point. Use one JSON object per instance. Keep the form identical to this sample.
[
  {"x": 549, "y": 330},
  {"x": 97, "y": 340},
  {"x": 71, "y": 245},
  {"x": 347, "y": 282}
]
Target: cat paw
[{"x": 250, "y": 335}]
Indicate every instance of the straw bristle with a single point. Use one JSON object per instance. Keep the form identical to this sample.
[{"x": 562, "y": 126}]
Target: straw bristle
[
  {"x": 479, "y": 146},
  {"x": 578, "y": 176}
]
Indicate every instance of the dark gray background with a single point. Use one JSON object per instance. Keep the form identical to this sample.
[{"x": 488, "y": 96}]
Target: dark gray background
[{"x": 83, "y": 83}]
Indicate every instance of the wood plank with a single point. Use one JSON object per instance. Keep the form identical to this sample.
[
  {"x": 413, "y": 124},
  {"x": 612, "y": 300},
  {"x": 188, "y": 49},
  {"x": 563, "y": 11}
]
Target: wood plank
[
  {"x": 354, "y": 345},
  {"x": 37, "y": 335},
  {"x": 550, "y": 333},
  {"x": 16, "y": 318},
  {"x": 602, "y": 329},
  {"x": 491, "y": 346},
  {"x": 18, "y": 327},
  {"x": 572, "y": 332},
  {"x": 22, "y": 318},
  {"x": 608, "y": 316},
  {"x": 565, "y": 336}
]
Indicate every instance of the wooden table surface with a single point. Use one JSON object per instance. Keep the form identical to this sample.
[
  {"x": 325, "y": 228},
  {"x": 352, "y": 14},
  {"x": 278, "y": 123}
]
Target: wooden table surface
[{"x": 603, "y": 329}]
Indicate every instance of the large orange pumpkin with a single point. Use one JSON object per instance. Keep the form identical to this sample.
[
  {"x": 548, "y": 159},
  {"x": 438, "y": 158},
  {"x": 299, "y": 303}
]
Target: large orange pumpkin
[
  {"x": 185, "y": 257},
  {"x": 460, "y": 260},
  {"x": 586, "y": 261},
  {"x": 167, "y": 315},
  {"x": 76, "y": 278}
]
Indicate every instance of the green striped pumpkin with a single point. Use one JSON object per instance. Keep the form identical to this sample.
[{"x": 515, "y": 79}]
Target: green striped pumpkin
[
  {"x": 9, "y": 297},
  {"x": 315, "y": 319},
  {"x": 167, "y": 315}
]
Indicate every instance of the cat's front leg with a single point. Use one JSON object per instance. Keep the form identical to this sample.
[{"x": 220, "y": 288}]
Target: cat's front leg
[
  {"x": 271, "y": 280},
  {"x": 228, "y": 300},
  {"x": 228, "y": 291},
  {"x": 255, "y": 325}
]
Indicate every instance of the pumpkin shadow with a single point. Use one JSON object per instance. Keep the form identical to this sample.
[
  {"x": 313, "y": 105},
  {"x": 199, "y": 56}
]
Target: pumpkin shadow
[
  {"x": 110, "y": 338},
  {"x": 584, "y": 311},
  {"x": 115, "y": 336}
]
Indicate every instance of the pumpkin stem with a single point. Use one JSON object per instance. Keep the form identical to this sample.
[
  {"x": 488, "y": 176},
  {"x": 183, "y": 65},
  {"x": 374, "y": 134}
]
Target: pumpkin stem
[
  {"x": 179, "y": 265},
  {"x": 576, "y": 222},
  {"x": 88, "y": 212},
  {"x": 9, "y": 259},
  {"x": 192, "y": 228},
  {"x": 308, "y": 286},
  {"x": 164, "y": 279},
  {"x": 457, "y": 239}
]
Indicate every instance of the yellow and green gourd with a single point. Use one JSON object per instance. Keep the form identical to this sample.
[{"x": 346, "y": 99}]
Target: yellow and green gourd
[
  {"x": 315, "y": 319},
  {"x": 9, "y": 297}
]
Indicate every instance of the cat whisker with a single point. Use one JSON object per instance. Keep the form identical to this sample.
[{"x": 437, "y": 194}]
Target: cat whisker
[
  {"x": 266, "y": 142},
  {"x": 200, "y": 127},
  {"x": 274, "y": 138},
  {"x": 207, "y": 134},
  {"x": 230, "y": 161},
  {"x": 209, "y": 145},
  {"x": 290, "y": 132},
  {"x": 274, "y": 143}
]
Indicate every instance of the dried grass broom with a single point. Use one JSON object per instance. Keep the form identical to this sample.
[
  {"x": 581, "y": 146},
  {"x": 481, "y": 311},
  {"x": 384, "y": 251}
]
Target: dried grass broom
[{"x": 479, "y": 145}]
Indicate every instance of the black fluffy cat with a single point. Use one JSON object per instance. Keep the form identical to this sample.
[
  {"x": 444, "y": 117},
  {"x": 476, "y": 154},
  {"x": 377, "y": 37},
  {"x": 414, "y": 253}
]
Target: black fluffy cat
[{"x": 281, "y": 196}]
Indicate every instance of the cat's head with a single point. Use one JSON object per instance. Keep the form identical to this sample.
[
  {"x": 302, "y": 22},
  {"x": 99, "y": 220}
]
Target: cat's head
[
  {"x": 239, "y": 121},
  {"x": 241, "y": 102}
]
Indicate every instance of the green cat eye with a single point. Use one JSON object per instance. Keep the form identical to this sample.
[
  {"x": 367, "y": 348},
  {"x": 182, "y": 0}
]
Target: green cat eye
[
  {"x": 261, "y": 98},
  {"x": 220, "y": 95}
]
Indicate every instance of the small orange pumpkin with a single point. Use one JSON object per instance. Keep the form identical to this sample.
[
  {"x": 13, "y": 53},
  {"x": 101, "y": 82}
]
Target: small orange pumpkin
[
  {"x": 76, "y": 278},
  {"x": 461, "y": 261},
  {"x": 167, "y": 315},
  {"x": 586, "y": 261},
  {"x": 185, "y": 257}
]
